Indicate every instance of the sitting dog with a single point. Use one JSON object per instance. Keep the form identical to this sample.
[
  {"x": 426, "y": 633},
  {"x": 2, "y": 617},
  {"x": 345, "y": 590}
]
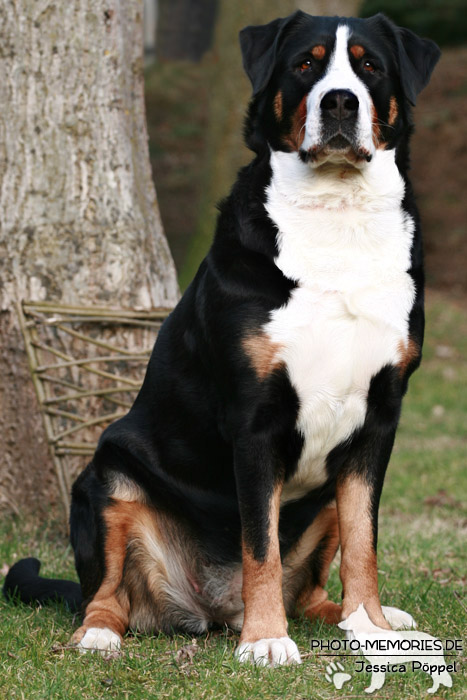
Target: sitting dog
[{"x": 261, "y": 435}]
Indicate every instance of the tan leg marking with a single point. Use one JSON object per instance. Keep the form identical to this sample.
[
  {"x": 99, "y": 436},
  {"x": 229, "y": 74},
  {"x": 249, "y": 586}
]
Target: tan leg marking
[
  {"x": 358, "y": 571},
  {"x": 262, "y": 586},
  {"x": 313, "y": 600},
  {"x": 110, "y": 608},
  {"x": 262, "y": 354},
  {"x": 408, "y": 353}
]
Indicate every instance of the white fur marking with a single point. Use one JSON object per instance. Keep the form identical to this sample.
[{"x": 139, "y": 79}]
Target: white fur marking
[
  {"x": 346, "y": 242},
  {"x": 269, "y": 652},
  {"x": 99, "y": 639},
  {"x": 173, "y": 580},
  {"x": 219, "y": 599},
  {"x": 339, "y": 76}
]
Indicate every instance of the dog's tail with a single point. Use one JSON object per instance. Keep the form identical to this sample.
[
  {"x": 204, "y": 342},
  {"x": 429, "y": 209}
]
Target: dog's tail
[{"x": 24, "y": 583}]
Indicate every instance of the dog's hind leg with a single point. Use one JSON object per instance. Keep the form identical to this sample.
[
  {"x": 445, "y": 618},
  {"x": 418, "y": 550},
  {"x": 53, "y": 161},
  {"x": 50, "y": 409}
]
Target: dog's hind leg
[
  {"x": 314, "y": 553},
  {"x": 107, "y": 614}
]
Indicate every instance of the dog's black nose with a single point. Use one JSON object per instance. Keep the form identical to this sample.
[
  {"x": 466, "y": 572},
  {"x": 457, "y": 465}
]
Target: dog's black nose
[{"x": 340, "y": 104}]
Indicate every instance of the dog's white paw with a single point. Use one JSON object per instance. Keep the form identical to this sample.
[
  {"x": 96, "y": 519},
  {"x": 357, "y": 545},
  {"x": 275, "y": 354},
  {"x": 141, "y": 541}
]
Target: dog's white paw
[
  {"x": 398, "y": 619},
  {"x": 99, "y": 639},
  {"x": 269, "y": 652}
]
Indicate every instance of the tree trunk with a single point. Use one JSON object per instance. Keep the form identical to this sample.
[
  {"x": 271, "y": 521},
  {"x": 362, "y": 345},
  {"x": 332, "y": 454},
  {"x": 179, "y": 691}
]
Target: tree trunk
[
  {"x": 79, "y": 216},
  {"x": 230, "y": 93}
]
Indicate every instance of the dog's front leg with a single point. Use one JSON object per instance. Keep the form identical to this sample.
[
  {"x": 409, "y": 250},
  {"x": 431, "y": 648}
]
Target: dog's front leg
[
  {"x": 264, "y": 639},
  {"x": 358, "y": 492}
]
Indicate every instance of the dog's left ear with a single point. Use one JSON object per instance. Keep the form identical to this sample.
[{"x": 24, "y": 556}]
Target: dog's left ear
[
  {"x": 415, "y": 58},
  {"x": 259, "y": 44}
]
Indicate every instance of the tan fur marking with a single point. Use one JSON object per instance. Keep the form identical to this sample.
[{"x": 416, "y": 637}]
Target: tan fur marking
[
  {"x": 376, "y": 130},
  {"x": 318, "y": 52},
  {"x": 262, "y": 586},
  {"x": 297, "y": 132},
  {"x": 262, "y": 353},
  {"x": 393, "y": 111},
  {"x": 110, "y": 607},
  {"x": 408, "y": 353},
  {"x": 312, "y": 601},
  {"x": 78, "y": 635},
  {"x": 278, "y": 106},
  {"x": 146, "y": 578},
  {"x": 325, "y": 523},
  {"x": 147, "y": 532},
  {"x": 358, "y": 570},
  {"x": 357, "y": 51}
]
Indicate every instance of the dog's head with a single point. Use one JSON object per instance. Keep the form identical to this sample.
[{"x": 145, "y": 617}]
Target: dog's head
[{"x": 333, "y": 88}]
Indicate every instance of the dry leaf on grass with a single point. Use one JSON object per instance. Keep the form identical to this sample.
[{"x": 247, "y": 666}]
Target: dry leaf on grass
[
  {"x": 186, "y": 653},
  {"x": 442, "y": 498}
]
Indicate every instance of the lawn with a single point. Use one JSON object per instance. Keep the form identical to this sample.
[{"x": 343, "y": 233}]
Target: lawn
[{"x": 422, "y": 538}]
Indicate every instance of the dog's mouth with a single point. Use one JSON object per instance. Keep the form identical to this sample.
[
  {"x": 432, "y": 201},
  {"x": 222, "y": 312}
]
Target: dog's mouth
[{"x": 336, "y": 148}]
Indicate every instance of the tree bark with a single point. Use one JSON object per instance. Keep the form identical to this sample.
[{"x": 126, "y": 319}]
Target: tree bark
[{"x": 79, "y": 222}]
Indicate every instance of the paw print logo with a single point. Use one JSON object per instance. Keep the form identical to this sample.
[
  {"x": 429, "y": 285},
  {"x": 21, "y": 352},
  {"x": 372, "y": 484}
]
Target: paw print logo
[{"x": 334, "y": 675}]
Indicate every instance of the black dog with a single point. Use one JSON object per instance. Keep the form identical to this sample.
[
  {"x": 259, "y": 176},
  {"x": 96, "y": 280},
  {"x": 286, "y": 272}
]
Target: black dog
[{"x": 262, "y": 432}]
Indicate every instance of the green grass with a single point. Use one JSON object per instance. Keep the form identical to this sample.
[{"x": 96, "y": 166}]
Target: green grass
[{"x": 420, "y": 561}]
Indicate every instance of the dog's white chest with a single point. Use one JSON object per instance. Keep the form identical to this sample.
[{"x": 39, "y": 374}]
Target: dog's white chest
[{"x": 346, "y": 242}]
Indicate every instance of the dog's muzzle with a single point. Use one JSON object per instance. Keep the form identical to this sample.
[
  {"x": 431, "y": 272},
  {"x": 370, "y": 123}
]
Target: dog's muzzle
[{"x": 339, "y": 129}]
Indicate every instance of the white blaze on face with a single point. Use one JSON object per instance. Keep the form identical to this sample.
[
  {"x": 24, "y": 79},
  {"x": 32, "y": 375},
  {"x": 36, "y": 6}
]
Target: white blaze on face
[{"x": 339, "y": 76}]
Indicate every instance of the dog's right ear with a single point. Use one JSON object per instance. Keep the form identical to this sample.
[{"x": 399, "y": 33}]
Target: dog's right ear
[{"x": 259, "y": 44}]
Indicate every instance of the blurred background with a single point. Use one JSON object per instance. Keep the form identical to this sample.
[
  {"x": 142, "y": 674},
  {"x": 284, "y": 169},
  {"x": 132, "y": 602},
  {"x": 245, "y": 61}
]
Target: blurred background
[{"x": 196, "y": 95}]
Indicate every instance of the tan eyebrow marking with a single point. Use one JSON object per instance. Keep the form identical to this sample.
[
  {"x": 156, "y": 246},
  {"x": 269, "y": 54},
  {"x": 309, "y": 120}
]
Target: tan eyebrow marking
[
  {"x": 318, "y": 52},
  {"x": 357, "y": 51}
]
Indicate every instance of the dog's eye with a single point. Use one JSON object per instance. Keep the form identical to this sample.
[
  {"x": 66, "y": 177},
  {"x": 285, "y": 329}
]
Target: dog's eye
[
  {"x": 306, "y": 65},
  {"x": 368, "y": 66}
]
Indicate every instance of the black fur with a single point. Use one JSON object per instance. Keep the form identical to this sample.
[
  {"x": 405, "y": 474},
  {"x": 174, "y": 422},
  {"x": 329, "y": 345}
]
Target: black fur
[{"x": 23, "y": 582}]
